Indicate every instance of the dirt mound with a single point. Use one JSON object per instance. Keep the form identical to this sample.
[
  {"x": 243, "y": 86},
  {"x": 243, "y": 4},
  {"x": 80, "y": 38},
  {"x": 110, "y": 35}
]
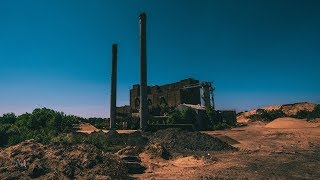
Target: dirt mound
[
  {"x": 157, "y": 150},
  {"x": 30, "y": 159},
  {"x": 179, "y": 141},
  {"x": 86, "y": 128},
  {"x": 290, "y": 123}
]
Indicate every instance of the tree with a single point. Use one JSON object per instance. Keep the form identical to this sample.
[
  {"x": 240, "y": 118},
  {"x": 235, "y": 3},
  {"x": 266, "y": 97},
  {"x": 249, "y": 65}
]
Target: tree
[{"x": 9, "y": 118}]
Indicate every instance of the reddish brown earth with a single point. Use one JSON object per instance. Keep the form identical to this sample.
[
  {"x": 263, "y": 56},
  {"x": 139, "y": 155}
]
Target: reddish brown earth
[
  {"x": 283, "y": 149},
  {"x": 263, "y": 153}
]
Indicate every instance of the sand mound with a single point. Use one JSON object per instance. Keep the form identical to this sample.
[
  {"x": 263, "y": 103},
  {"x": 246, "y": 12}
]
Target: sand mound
[
  {"x": 290, "y": 123},
  {"x": 86, "y": 128}
]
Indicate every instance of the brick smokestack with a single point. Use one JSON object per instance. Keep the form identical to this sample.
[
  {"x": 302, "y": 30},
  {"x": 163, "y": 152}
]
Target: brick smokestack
[
  {"x": 143, "y": 73},
  {"x": 113, "y": 95}
]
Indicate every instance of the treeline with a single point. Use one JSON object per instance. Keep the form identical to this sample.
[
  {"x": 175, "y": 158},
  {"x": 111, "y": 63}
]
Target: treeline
[
  {"x": 265, "y": 115},
  {"x": 43, "y": 125}
]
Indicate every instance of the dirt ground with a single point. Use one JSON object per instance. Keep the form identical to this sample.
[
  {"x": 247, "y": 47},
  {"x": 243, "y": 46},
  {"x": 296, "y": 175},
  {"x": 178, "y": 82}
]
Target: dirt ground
[
  {"x": 256, "y": 151},
  {"x": 263, "y": 153}
]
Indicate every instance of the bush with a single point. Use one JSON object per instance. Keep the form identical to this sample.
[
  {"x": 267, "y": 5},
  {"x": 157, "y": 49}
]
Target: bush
[
  {"x": 316, "y": 112},
  {"x": 175, "y": 118},
  {"x": 42, "y": 125},
  {"x": 302, "y": 114},
  {"x": 9, "y": 118},
  {"x": 264, "y": 115},
  {"x": 221, "y": 126},
  {"x": 189, "y": 116}
]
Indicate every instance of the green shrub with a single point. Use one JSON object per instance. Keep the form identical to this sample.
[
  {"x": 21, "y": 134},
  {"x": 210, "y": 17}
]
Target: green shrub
[
  {"x": 42, "y": 125},
  {"x": 316, "y": 112},
  {"x": 9, "y": 118},
  {"x": 302, "y": 114},
  {"x": 221, "y": 126},
  {"x": 264, "y": 115},
  {"x": 189, "y": 116},
  {"x": 175, "y": 118}
]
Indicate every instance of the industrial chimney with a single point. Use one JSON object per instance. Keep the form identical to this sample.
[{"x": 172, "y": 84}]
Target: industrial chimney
[
  {"x": 113, "y": 95},
  {"x": 143, "y": 73}
]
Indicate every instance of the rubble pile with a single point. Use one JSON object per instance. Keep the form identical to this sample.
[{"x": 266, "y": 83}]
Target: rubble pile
[
  {"x": 94, "y": 156},
  {"x": 180, "y": 141},
  {"x": 30, "y": 159}
]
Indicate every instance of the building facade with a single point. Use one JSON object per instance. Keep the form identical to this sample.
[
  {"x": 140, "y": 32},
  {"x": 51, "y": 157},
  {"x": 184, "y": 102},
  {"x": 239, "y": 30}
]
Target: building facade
[{"x": 168, "y": 95}]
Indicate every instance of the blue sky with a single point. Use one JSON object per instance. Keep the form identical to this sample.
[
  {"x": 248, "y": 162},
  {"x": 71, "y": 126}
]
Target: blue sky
[{"x": 57, "y": 54}]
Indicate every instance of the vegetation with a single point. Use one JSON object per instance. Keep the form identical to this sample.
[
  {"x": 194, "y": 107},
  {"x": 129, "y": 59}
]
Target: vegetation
[
  {"x": 100, "y": 123},
  {"x": 265, "y": 115},
  {"x": 212, "y": 118},
  {"x": 216, "y": 121},
  {"x": 303, "y": 114},
  {"x": 187, "y": 116},
  {"x": 42, "y": 125}
]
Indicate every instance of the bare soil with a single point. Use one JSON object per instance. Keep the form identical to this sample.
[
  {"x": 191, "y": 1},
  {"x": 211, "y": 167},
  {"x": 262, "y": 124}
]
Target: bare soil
[
  {"x": 264, "y": 153},
  {"x": 256, "y": 151}
]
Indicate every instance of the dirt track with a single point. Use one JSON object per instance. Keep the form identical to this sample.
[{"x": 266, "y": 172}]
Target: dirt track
[{"x": 264, "y": 153}]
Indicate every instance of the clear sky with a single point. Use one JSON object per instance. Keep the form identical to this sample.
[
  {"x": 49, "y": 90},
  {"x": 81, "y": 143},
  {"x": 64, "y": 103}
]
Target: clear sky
[{"x": 57, "y": 53}]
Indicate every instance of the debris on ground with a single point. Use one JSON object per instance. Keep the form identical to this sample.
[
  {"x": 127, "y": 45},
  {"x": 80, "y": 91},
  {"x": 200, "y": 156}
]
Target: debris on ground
[
  {"x": 30, "y": 159},
  {"x": 180, "y": 141},
  {"x": 101, "y": 155}
]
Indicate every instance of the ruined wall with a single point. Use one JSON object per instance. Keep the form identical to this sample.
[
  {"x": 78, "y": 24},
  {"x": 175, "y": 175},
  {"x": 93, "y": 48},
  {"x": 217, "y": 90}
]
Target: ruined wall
[
  {"x": 123, "y": 111},
  {"x": 169, "y": 94}
]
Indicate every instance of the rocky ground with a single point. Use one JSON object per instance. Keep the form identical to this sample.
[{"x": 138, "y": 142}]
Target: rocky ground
[{"x": 30, "y": 159}]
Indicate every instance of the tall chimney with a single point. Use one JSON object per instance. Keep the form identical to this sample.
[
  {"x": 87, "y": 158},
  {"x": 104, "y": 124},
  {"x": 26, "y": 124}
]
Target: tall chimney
[
  {"x": 143, "y": 73},
  {"x": 113, "y": 98}
]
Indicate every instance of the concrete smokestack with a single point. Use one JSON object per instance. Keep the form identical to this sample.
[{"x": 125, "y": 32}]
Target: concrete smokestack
[
  {"x": 143, "y": 73},
  {"x": 113, "y": 98}
]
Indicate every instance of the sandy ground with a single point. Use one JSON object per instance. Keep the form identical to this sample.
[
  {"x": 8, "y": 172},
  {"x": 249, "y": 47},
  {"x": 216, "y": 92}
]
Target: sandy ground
[
  {"x": 88, "y": 129},
  {"x": 275, "y": 153}
]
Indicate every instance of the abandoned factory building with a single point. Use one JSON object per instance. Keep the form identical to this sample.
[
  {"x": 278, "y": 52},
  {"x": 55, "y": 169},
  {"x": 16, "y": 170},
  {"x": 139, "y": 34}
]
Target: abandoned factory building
[{"x": 169, "y": 95}]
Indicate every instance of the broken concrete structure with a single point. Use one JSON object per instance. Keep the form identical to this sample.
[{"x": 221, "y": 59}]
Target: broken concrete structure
[{"x": 169, "y": 95}]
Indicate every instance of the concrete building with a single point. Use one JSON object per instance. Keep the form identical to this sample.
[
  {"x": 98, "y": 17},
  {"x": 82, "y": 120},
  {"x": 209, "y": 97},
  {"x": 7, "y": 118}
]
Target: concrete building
[{"x": 168, "y": 95}]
